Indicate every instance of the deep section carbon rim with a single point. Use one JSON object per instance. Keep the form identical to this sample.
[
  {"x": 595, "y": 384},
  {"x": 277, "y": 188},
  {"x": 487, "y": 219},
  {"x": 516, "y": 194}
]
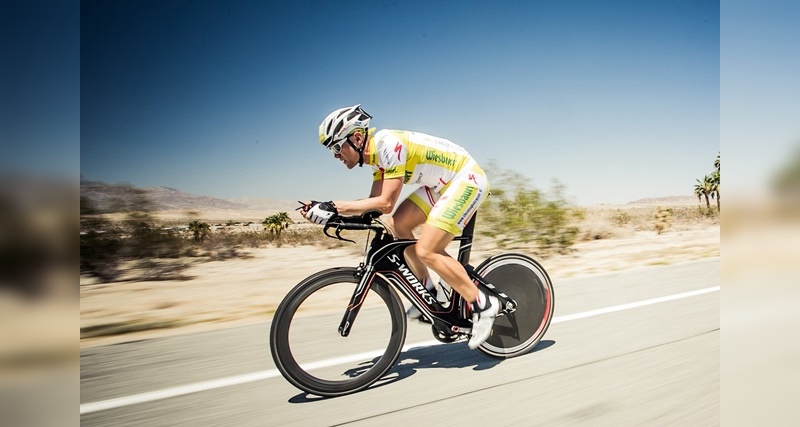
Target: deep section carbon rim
[{"x": 310, "y": 352}]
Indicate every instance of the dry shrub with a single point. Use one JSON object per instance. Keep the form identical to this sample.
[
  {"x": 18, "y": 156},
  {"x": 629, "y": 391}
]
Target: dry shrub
[
  {"x": 663, "y": 220},
  {"x": 605, "y": 221}
]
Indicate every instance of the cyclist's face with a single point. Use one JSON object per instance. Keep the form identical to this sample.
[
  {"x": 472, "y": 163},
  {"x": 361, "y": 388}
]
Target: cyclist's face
[{"x": 347, "y": 154}]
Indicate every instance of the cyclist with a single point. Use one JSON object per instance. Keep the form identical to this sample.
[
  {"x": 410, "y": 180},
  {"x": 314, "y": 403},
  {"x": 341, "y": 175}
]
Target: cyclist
[{"x": 452, "y": 187}]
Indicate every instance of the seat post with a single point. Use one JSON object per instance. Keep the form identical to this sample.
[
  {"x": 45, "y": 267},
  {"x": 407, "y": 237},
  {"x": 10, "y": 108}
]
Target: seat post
[{"x": 466, "y": 241}]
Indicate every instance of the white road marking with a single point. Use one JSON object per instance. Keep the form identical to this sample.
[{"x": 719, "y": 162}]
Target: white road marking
[
  {"x": 633, "y": 305},
  {"x": 263, "y": 375}
]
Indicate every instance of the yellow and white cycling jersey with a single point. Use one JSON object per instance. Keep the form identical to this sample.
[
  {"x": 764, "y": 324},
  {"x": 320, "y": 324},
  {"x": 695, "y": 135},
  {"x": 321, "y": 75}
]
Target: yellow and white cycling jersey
[
  {"x": 434, "y": 164},
  {"x": 417, "y": 158}
]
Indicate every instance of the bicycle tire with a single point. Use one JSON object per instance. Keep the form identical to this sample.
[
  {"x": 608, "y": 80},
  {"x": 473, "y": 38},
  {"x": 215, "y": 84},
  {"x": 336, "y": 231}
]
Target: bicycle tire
[
  {"x": 526, "y": 282},
  {"x": 372, "y": 366}
]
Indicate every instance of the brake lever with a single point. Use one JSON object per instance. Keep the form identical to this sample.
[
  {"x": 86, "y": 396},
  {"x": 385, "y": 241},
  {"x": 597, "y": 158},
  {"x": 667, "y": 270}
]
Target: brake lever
[
  {"x": 325, "y": 231},
  {"x": 338, "y": 236},
  {"x": 336, "y": 222}
]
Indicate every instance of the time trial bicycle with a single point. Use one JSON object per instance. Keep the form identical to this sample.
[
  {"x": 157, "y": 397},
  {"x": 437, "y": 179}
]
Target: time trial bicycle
[{"x": 318, "y": 357}]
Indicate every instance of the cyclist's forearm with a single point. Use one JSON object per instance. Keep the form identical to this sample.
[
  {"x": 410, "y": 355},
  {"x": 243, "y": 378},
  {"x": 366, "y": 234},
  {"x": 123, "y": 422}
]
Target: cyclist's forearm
[
  {"x": 382, "y": 197},
  {"x": 357, "y": 207}
]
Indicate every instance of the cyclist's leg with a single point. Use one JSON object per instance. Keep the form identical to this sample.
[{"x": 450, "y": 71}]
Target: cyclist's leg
[
  {"x": 411, "y": 213},
  {"x": 430, "y": 248},
  {"x": 447, "y": 218}
]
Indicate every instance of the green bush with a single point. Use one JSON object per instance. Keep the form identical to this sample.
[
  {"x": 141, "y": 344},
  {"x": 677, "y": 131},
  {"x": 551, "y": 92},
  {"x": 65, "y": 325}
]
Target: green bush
[{"x": 517, "y": 214}]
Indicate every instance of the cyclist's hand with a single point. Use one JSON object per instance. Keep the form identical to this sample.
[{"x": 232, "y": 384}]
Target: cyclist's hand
[
  {"x": 321, "y": 212},
  {"x": 303, "y": 208}
]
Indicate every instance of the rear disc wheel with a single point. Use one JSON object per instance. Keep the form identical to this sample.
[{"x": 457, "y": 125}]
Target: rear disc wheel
[{"x": 525, "y": 281}]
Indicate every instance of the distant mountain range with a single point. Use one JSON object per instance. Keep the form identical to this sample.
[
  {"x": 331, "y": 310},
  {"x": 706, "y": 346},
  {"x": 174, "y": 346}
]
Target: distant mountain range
[
  {"x": 114, "y": 197},
  {"x": 668, "y": 200}
]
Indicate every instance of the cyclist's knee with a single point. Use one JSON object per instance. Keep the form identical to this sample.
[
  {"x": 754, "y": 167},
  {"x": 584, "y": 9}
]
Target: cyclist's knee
[
  {"x": 425, "y": 254},
  {"x": 428, "y": 252}
]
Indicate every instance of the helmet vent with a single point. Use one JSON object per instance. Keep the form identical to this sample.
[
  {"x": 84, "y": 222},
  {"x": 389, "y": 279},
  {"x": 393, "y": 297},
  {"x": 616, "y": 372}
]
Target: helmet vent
[
  {"x": 341, "y": 122},
  {"x": 353, "y": 115}
]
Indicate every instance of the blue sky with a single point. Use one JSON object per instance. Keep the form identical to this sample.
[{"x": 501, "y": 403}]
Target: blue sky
[{"x": 618, "y": 100}]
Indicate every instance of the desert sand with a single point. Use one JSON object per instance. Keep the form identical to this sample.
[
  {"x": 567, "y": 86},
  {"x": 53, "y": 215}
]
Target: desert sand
[{"x": 247, "y": 290}]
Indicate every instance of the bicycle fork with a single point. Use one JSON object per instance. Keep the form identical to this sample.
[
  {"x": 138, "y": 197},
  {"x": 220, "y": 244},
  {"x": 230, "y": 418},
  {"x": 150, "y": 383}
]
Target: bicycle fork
[{"x": 356, "y": 300}]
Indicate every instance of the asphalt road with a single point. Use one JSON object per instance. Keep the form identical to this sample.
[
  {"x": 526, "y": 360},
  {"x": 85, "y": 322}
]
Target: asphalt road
[{"x": 655, "y": 363}]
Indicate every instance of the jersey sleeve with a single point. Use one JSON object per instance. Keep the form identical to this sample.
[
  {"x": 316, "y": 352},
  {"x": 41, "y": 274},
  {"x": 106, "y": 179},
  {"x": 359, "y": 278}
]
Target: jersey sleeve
[{"x": 391, "y": 158}]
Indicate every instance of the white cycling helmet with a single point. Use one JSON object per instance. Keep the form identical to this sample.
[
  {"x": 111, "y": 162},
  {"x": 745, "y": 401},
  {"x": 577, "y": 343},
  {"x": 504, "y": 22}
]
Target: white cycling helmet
[{"x": 341, "y": 123}]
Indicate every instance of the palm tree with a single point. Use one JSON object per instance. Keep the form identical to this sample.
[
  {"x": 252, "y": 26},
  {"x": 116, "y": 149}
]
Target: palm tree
[
  {"x": 277, "y": 223},
  {"x": 699, "y": 190},
  {"x": 200, "y": 229},
  {"x": 708, "y": 185},
  {"x": 703, "y": 189}
]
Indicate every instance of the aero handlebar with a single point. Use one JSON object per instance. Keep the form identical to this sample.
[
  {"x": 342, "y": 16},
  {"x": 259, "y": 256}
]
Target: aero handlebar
[{"x": 365, "y": 221}]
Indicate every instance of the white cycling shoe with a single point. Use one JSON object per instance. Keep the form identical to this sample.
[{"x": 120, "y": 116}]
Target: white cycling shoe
[{"x": 482, "y": 323}]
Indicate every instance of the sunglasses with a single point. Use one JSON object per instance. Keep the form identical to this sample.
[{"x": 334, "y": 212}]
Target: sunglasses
[{"x": 337, "y": 146}]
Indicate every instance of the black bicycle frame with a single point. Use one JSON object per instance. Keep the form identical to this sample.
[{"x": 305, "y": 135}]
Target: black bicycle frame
[{"x": 385, "y": 258}]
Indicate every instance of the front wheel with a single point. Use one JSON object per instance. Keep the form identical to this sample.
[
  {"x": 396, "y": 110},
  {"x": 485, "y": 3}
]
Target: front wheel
[
  {"x": 525, "y": 281},
  {"x": 308, "y": 349}
]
